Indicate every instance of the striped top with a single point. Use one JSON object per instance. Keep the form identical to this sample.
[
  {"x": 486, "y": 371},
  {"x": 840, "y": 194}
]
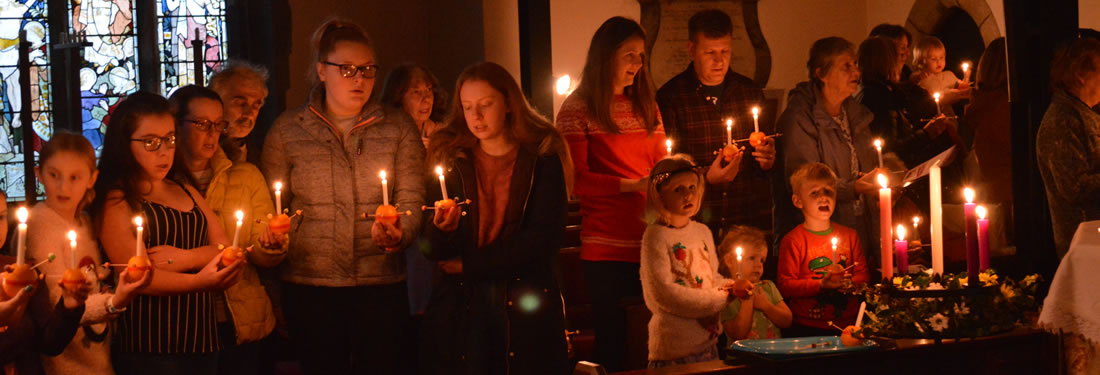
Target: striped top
[
  {"x": 613, "y": 225},
  {"x": 183, "y": 323}
]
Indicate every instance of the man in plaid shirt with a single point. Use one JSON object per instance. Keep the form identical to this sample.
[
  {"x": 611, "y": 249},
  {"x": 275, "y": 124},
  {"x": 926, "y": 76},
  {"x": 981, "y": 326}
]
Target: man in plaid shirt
[{"x": 694, "y": 108}]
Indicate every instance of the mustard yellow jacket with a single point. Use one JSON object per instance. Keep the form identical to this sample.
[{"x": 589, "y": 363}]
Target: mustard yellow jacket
[{"x": 240, "y": 186}]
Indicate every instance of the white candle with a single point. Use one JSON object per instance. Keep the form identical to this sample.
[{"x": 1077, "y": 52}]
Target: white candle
[
  {"x": 878, "y": 148},
  {"x": 21, "y": 237},
  {"x": 668, "y": 146},
  {"x": 862, "y": 309},
  {"x": 237, "y": 233},
  {"x": 278, "y": 197},
  {"x": 966, "y": 72},
  {"x": 756, "y": 119},
  {"x": 72, "y": 249},
  {"x": 916, "y": 222},
  {"x": 729, "y": 131},
  {"x": 835, "y": 259},
  {"x": 936, "y": 210},
  {"x": 385, "y": 191},
  {"x": 936, "y": 96},
  {"x": 738, "y": 251},
  {"x": 442, "y": 184},
  {"x": 139, "y": 248}
]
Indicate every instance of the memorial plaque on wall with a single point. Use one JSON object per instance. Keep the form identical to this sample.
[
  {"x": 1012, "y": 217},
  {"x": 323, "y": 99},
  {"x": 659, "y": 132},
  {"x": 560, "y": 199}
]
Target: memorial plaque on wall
[{"x": 666, "y": 24}]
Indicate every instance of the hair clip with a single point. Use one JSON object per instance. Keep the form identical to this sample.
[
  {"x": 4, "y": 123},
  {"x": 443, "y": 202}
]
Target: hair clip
[{"x": 661, "y": 178}]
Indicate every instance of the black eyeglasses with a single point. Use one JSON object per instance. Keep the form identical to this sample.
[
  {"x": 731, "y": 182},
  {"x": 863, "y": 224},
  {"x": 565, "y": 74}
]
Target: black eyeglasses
[
  {"x": 154, "y": 143},
  {"x": 350, "y": 70},
  {"x": 208, "y": 125}
]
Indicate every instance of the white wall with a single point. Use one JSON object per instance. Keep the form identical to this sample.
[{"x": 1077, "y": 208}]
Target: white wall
[
  {"x": 1087, "y": 14},
  {"x": 572, "y": 23}
]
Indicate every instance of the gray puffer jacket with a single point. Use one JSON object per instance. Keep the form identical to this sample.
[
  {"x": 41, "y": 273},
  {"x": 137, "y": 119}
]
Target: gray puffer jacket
[{"x": 334, "y": 181}]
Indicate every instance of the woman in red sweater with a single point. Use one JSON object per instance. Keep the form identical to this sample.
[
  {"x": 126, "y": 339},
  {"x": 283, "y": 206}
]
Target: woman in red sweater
[{"x": 615, "y": 136}]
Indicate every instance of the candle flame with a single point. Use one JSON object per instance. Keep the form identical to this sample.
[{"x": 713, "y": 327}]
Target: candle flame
[
  {"x": 729, "y": 123},
  {"x": 878, "y": 144},
  {"x": 966, "y": 66},
  {"x": 936, "y": 96},
  {"x": 901, "y": 233},
  {"x": 439, "y": 171},
  {"x": 71, "y": 235},
  {"x": 835, "y": 240},
  {"x": 968, "y": 193},
  {"x": 240, "y": 215},
  {"x": 563, "y": 85},
  {"x": 278, "y": 186},
  {"x": 382, "y": 174},
  {"x": 916, "y": 221},
  {"x": 21, "y": 214},
  {"x": 738, "y": 251},
  {"x": 882, "y": 181},
  {"x": 981, "y": 212},
  {"x": 138, "y": 221},
  {"x": 755, "y": 112},
  {"x": 668, "y": 143}
]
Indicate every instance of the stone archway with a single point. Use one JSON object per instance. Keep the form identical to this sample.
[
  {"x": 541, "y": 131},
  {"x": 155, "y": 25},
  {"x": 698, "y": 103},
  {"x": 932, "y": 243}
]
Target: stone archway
[{"x": 926, "y": 15}]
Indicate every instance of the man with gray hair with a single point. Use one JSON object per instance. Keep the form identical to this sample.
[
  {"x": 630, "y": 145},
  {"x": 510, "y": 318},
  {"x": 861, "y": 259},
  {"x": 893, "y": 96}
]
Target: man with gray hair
[{"x": 243, "y": 88}]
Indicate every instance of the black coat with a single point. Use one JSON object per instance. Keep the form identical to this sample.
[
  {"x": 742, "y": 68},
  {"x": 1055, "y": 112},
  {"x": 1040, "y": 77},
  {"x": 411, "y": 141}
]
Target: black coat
[{"x": 515, "y": 319}]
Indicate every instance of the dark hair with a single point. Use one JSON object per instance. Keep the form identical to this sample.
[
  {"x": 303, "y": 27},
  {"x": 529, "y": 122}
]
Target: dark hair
[
  {"x": 713, "y": 23},
  {"x": 401, "y": 79},
  {"x": 121, "y": 171},
  {"x": 334, "y": 30},
  {"x": 65, "y": 141},
  {"x": 822, "y": 53},
  {"x": 891, "y": 31},
  {"x": 598, "y": 76},
  {"x": 878, "y": 59},
  {"x": 180, "y": 103},
  {"x": 992, "y": 69},
  {"x": 1082, "y": 56},
  {"x": 524, "y": 125}
]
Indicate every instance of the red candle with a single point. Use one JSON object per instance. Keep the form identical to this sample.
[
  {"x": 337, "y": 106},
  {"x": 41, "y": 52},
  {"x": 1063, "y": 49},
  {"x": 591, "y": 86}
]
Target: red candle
[
  {"x": 884, "y": 208},
  {"x": 983, "y": 239},
  {"x": 972, "y": 265},
  {"x": 902, "y": 248}
]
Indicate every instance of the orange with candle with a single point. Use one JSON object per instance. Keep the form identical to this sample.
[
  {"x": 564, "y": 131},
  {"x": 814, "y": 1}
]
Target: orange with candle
[
  {"x": 280, "y": 223},
  {"x": 139, "y": 263},
  {"x": 19, "y": 275},
  {"x": 233, "y": 253},
  {"x": 742, "y": 288},
  {"x": 72, "y": 279},
  {"x": 756, "y": 139},
  {"x": 730, "y": 151},
  {"x": 446, "y": 204}
]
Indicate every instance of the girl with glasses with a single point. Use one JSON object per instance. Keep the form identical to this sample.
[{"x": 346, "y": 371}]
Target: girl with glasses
[
  {"x": 169, "y": 328},
  {"x": 344, "y": 291}
]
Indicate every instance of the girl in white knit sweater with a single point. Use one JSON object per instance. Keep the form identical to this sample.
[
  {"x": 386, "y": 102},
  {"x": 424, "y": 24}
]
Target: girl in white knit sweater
[
  {"x": 68, "y": 172},
  {"x": 679, "y": 268}
]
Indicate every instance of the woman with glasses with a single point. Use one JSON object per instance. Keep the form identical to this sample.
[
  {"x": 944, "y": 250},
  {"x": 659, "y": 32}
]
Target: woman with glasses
[
  {"x": 171, "y": 328},
  {"x": 244, "y": 311},
  {"x": 414, "y": 89},
  {"x": 344, "y": 291}
]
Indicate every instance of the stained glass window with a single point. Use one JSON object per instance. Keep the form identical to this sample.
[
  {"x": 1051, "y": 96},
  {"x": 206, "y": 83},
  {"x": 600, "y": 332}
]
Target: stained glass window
[
  {"x": 180, "y": 22},
  {"x": 110, "y": 69},
  {"x": 16, "y": 15}
]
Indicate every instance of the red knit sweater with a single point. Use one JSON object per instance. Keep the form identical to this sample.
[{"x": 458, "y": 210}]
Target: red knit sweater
[
  {"x": 801, "y": 284},
  {"x": 612, "y": 226}
]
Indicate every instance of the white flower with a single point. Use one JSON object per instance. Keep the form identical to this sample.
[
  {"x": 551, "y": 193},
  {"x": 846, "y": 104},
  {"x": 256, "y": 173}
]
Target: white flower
[
  {"x": 935, "y": 286},
  {"x": 962, "y": 309},
  {"x": 938, "y": 322}
]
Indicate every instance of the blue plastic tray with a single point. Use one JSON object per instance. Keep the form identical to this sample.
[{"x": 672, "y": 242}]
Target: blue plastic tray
[{"x": 798, "y": 347}]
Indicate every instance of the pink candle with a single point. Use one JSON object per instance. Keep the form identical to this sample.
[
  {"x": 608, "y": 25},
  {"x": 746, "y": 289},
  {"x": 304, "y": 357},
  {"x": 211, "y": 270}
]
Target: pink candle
[
  {"x": 902, "y": 248},
  {"x": 972, "y": 265},
  {"x": 983, "y": 239},
  {"x": 885, "y": 218}
]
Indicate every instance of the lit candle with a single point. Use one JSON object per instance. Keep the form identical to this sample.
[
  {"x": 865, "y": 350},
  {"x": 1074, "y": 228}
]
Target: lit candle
[
  {"x": 916, "y": 230},
  {"x": 21, "y": 237},
  {"x": 139, "y": 248},
  {"x": 278, "y": 197},
  {"x": 755, "y": 119},
  {"x": 237, "y": 233},
  {"x": 729, "y": 131},
  {"x": 738, "y": 251},
  {"x": 835, "y": 259},
  {"x": 385, "y": 191},
  {"x": 936, "y": 210},
  {"x": 936, "y": 96},
  {"x": 972, "y": 265},
  {"x": 668, "y": 146},
  {"x": 902, "y": 248},
  {"x": 884, "y": 218},
  {"x": 966, "y": 72},
  {"x": 563, "y": 85},
  {"x": 878, "y": 148},
  {"x": 72, "y": 249},
  {"x": 983, "y": 239},
  {"x": 442, "y": 185}
]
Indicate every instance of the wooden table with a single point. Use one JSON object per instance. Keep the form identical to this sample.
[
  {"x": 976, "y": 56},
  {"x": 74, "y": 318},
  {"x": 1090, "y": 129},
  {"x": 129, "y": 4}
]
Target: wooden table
[{"x": 1023, "y": 351}]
